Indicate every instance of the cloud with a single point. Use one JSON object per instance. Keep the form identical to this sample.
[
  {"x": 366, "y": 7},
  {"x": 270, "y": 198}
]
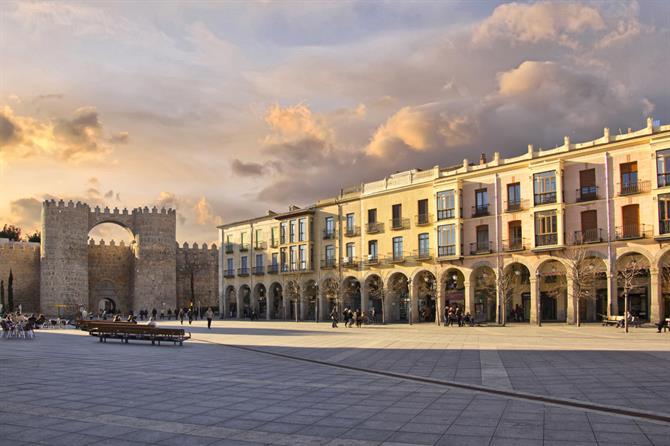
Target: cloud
[
  {"x": 120, "y": 138},
  {"x": 295, "y": 123},
  {"x": 77, "y": 138},
  {"x": 243, "y": 169},
  {"x": 561, "y": 22},
  {"x": 204, "y": 214},
  {"x": 26, "y": 213}
]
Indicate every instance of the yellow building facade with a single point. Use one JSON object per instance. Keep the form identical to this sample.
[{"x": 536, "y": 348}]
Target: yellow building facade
[{"x": 497, "y": 239}]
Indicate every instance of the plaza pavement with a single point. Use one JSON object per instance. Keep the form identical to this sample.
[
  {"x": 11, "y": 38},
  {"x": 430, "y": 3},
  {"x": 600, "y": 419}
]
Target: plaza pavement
[{"x": 65, "y": 388}]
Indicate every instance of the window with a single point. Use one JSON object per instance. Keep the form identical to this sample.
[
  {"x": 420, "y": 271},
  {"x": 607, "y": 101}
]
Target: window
[
  {"x": 282, "y": 233},
  {"x": 230, "y": 266},
  {"x": 481, "y": 203},
  {"x": 663, "y": 167},
  {"x": 664, "y": 213},
  {"x": 330, "y": 255},
  {"x": 330, "y": 228},
  {"x": 397, "y": 248},
  {"x": 372, "y": 215},
  {"x": 259, "y": 262},
  {"x": 423, "y": 218},
  {"x": 396, "y": 212},
  {"x": 445, "y": 205},
  {"x": 446, "y": 240},
  {"x": 258, "y": 237},
  {"x": 589, "y": 232},
  {"x": 373, "y": 252},
  {"x": 302, "y": 257},
  {"x": 292, "y": 231},
  {"x": 229, "y": 244},
  {"x": 244, "y": 264},
  {"x": 350, "y": 250},
  {"x": 351, "y": 227},
  {"x": 546, "y": 228},
  {"x": 424, "y": 245},
  {"x": 629, "y": 183},
  {"x": 545, "y": 187},
  {"x": 242, "y": 240},
  {"x": 482, "y": 244},
  {"x": 293, "y": 258},
  {"x": 274, "y": 258},
  {"x": 587, "y": 185},
  {"x": 273, "y": 236},
  {"x": 282, "y": 255},
  {"x": 631, "y": 221},
  {"x": 515, "y": 235},
  {"x": 514, "y": 197},
  {"x": 301, "y": 229}
]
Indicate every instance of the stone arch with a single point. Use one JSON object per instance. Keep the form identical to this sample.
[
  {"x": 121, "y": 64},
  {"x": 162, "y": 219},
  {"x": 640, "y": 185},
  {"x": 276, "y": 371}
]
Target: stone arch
[
  {"x": 276, "y": 301},
  {"x": 553, "y": 293},
  {"x": 452, "y": 282},
  {"x": 231, "y": 301},
  {"x": 260, "y": 299},
  {"x": 244, "y": 301},
  {"x": 351, "y": 293},
  {"x": 374, "y": 288},
  {"x": 517, "y": 302},
  {"x": 309, "y": 302},
  {"x": 483, "y": 282},
  {"x": 398, "y": 297},
  {"x": 639, "y": 296},
  {"x": 477, "y": 266},
  {"x": 330, "y": 290},
  {"x": 425, "y": 289},
  {"x": 628, "y": 250}
]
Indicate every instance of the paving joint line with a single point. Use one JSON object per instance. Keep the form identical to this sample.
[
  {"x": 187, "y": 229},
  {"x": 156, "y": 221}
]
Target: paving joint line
[{"x": 524, "y": 396}]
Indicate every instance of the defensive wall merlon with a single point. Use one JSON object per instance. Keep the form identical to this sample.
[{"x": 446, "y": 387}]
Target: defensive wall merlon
[
  {"x": 27, "y": 247},
  {"x": 194, "y": 247},
  {"x": 60, "y": 204}
]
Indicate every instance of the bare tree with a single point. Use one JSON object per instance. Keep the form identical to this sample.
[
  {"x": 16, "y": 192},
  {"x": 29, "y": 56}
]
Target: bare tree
[
  {"x": 632, "y": 267},
  {"x": 504, "y": 283},
  {"x": 293, "y": 289},
  {"x": 375, "y": 289},
  {"x": 399, "y": 287},
  {"x": 581, "y": 270},
  {"x": 331, "y": 289}
]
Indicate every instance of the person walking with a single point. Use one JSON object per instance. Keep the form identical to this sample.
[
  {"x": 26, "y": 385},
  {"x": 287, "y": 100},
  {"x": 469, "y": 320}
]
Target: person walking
[
  {"x": 154, "y": 312},
  {"x": 181, "y": 316},
  {"x": 333, "y": 317},
  {"x": 190, "y": 317},
  {"x": 359, "y": 318},
  {"x": 209, "y": 315}
]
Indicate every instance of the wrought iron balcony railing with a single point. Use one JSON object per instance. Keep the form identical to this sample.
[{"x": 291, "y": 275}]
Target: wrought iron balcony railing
[
  {"x": 242, "y": 272},
  {"x": 260, "y": 246},
  {"x": 229, "y": 248},
  {"x": 664, "y": 226},
  {"x": 546, "y": 239},
  {"x": 594, "y": 235},
  {"x": 423, "y": 219},
  {"x": 480, "y": 210},
  {"x": 244, "y": 247},
  {"x": 399, "y": 223},
  {"x": 514, "y": 244},
  {"x": 228, "y": 273},
  {"x": 445, "y": 214},
  {"x": 627, "y": 232},
  {"x": 446, "y": 251},
  {"x": 349, "y": 262},
  {"x": 352, "y": 231},
  {"x": 587, "y": 193},
  {"x": 396, "y": 257},
  {"x": 422, "y": 254},
  {"x": 374, "y": 227},
  {"x": 634, "y": 187},
  {"x": 481, "y": 248},
  {"x": 545, "y": 198},
  {"x": 329, "y": 234},
  {"x": 328, "y": 263},
  {"x": 273, "y": 268},
  {"x": 258, "y": 270}
]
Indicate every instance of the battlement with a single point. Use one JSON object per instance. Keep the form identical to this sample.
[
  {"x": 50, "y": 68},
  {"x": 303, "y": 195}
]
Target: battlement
[
  {"x": 7, "y": 245},
  {"x": 106, "y": 211},
  {"x": 102, "y": 242},
  {"x": 194, "y": 247},
  {"x": 60, "y": 204},
  {"x": 153, "y": 211}
]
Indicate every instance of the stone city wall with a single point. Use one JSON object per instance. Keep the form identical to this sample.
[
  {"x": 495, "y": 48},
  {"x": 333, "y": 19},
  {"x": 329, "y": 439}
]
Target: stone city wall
[
  {"x": 23, "y": 259},
  {"x": 203, "y": 263},
  {"x": 110, "y": 272}
]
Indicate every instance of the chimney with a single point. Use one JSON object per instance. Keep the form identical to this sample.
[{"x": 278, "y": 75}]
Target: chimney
[{"x": 482, "y": 158}]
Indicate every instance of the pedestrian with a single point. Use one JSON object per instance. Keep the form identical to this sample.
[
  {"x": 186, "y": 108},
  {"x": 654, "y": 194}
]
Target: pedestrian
[
  {"x": 162, "y": 314},
  {"x": 359, "y": 318},
  {"x": 209, "y": 314},
  {"x": 190, "y": 317},
  {"x": 154, "y": 313},
  {"x": 373, "y": 319},
  {"x": 446, "y": 316},
  {"x": 169, "y": 314},
  {"x": 333, "y": 317},
  {"x": 181, "y": 316}
]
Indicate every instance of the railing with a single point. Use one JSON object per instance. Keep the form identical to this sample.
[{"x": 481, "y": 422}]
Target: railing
[
  {"x": 328, "y": 263},
  {"x": 374, "y": 227},
  {"x": 242, "y": 271},
  {"x": 627, "y": 232},
  {"x": 229, "y": 249},
  {"x": 273, "y": 268},
  {"x": 444, "y": 214},
  {"x": 514, "y": 244},
  {"x": 244, "y": 247},
  {"x": 663, "y": 179},
  {"x": 352, "y": 231},
  {"x": 372, "y": 260},
  {"x": 513, "y": 206},
  {"x": 328, "y": 234},
  {"x": 228, "y": 273},
  {"x": 399, "y": 223},
  {"x": 594, "y": 235},
  {"x": 664, "y": 226},
  {"x": 481, "y": 248},
  {"x": 587, "y": 193},
  {"x": 546, "y": 239},
  {"x": 349, "y": 262},
  {"x": 423, "y": 219},
  {"x": 480, "y": 210},
  {"x": 396, "y": 257},
  {"x": 284, "y": 268},
  {"x": 260, "y": 246},
  {"x": 258, "y": 270},
  {"x": 545, "y": 198},
  {"x": 446, "y": 251},
  {"x": 632, "y": 188},
  {"x": 422, "y": 254}
]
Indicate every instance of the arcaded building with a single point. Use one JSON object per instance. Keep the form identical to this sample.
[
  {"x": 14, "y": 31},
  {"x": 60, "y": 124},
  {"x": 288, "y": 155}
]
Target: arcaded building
[{"x": 412, "y": 243}]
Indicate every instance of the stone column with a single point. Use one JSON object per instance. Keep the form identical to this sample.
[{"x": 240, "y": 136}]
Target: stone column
[
  {"x": 571, "y": 306},
  {"x": 365, "y": 300},
  {"x": 655, "y": 296},
  {"x": 439, "y": 301},
  {"x": 269, "y": 304},
  {"x": 414, "y": 302},
  {"x": 238, "y": 310},
  {"x": 534, "y": 300},
  {"x": 612, "y": 295},
  {"x": 303, "y": 308},
  {"x": 469, "y": 298}
]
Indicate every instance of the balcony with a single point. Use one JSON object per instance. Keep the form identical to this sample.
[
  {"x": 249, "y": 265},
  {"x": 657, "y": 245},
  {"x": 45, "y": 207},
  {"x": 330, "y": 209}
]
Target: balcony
[
  {"x": 350, "y": 262},
  {"x": 242, "y": 272},
  {"x": 550, "y": 239},
  {"x": 594, "y": 235},
  {"x": 374, "y": 227},
  {"x": 663, "y": 179},
  {"x": 352, "y": 231},
  {"x": 513, "y": 206},
  {"x": 228, "y": 273},
  {"x": 422, "y": 254},
  {"x": 514, "y": 244},
  {"x": 423, "y": 219},
  {"x": 273, "y": 268},
  {"x": 399, "y": 223},
  {"x": 229, "y": 248},
  {"x": 632, "y": 188},
  {"x": 545, "y": 198},
  {"x": 244, "y": 247},
  {"x": 587, "y": 193},
  {"x": 478, "y": 248},
  {"x": 446, "y": 251},
  {"x": 328, "y": 234},
  {"x": 261, "y": 246},
  {"x": 258, "y": 270},
  {"x": 372, "y": 259},
  {"x": 445, "y": 214},
  {"x": 629, "y": 232},
  {"x": 481, "y": 210},
  {"x": 328, "y": 263},
  {"x": 664, "y": 227},
  {"x": 395, "y": 257}
]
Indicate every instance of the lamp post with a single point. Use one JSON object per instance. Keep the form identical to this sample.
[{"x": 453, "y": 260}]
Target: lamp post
[
  {"x": 316, "y": 303},
  {"x": 538, "y": 298},
  {"x": 408, "y": 299}
]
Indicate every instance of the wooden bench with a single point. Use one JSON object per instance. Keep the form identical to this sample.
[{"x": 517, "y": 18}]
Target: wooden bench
[
  {"x": 87, "y": 325},
  {"x": 140, "y": 333},
  {"x": 612, "y": 320}
]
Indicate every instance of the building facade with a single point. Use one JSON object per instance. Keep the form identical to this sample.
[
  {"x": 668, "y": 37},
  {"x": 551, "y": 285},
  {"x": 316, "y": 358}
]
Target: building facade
[{"x": 498, "y": 238}]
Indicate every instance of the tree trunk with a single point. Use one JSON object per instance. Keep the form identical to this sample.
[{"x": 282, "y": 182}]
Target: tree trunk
[
  {"x": 579, "y": 322},
  {"x": 625, "y": 311}
]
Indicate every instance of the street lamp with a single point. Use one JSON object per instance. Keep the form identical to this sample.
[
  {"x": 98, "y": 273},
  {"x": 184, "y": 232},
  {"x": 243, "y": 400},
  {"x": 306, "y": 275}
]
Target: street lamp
[
  {"x": 408, "y": 300},
  {"x": 538, "y": 308},
  {"x": 316, "y": 303}
]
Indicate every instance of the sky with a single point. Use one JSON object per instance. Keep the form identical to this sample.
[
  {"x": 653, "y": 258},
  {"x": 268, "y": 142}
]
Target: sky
[{"x": 224, "y": 110}]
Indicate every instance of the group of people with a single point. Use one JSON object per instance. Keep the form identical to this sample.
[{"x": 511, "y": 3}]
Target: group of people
[
  {"x": 350, "y": 317},
  {"x": 453, "y": 314},
  {"x": 516, "y": 314},
  {"x": 20, "y": 325}
]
